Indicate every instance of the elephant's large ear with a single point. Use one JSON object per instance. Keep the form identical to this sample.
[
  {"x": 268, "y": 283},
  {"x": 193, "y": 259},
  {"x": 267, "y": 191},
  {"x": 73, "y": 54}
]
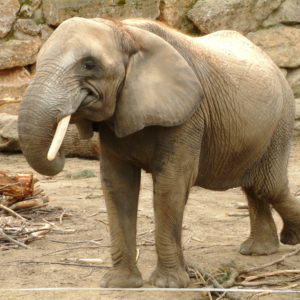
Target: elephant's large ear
[{"x": 160, "y": 87}]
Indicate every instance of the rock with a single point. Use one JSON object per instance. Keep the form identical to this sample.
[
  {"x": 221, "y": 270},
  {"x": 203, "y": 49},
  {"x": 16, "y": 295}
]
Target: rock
[
  {"x": 35, "y": 4},
  {"x": 27, "y": 26},
  {"x": 288, "y": 13},
  {"x": 240, "y": 15},
  {"x": 9, "y": 133},
  {"x": 173, "y": 12},
  {"x": 19, "y": 35},
  {"x": 297, "y": 128},
  {"x": 8, "y": 13},
  {"x": 46, "y": 31},
  {"x": 28, "y": 9},
  {"x": 16, "y": 53},
  {"x": 282, "y": 43},
  {"x": 12, "y": 109},
  {"x": 284, "y": 72},
  {"x": 297, "y": 109},
  {"x": 293, "y": 78},
  {"x": 56, "y": 11},
  {"x": 38, "y": 16},
  {"x": 297, "y": 117},
  {"x": 13, "y": 83}
]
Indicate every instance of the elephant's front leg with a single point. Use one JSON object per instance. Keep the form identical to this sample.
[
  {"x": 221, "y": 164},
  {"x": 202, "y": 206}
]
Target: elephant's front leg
[
  {"x": 121, "y": 183},
  {"x": 169, "y": 203}
]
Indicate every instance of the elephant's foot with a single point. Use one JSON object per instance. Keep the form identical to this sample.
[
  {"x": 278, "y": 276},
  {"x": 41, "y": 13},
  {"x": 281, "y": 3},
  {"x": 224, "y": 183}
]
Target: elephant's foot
[
  {"x": 122, "y": 277},
  {"x": 290, "y": 234},
  {"x": 170, "y": 277},
  {"x": 260, "y": 247}
]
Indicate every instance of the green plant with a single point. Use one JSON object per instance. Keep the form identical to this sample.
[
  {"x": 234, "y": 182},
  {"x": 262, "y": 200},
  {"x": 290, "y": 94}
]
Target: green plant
[
  {"x": 224, "y": 271},
  {"x": 27, "y": 2},
  {"x": 121, "y": 2}
]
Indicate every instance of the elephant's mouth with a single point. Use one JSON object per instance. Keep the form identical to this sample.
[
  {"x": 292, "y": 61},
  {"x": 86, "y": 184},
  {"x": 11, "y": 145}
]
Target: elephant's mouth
[{"x": 90, "y": 96}]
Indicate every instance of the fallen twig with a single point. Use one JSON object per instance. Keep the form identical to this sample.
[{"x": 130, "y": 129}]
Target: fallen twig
[
  {"x": 268, "y": 274},
  {"x": 85, "y": 260},
  {"x": 75, "y": 242},
  {"x": 221, "y": 296},
  {"x": 104, "y": 222},
  {"x": 63, "y": 264},
  {"x": 7, "y": 237},
  {"x": 61, "y": 216},
  {"x": 271, "y": 282},
  {"x": 274, "y": 262},
  {"x": 241, "y": 205},
  {"x": 145, "y": 233},
  {"x": 30, "y": 203},
  {"x": 238, "y": 214},
  {"x": 69, "y": 249},
  {"x": 13, "y": 213},
  {"x": 137, "y": 254},
  {"x": 232, "y": 277},
  {"x": 213, "y": 280}
]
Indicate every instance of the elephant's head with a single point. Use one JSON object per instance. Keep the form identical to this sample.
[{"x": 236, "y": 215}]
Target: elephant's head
[{"x": 93, "y": 70}]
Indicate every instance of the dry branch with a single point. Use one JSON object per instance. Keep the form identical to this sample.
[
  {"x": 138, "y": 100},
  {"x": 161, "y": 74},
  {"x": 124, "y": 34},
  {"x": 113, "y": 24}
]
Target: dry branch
[
  {"x": 11, "y": 212},
  {"x": 30, "y": 203},
  {"x": 19, "y": 186},
  {"x": 241, "y": 205},
  {"x": 274, "y": 262},
  {"x": 271, "y": 282},
  {"x": 64, "y": 264},
  {"x": 10, "y": 239},
  {"x": 238, "y": 214},
  {"x": 268, "y": 274},
  {"x": 9, "y": 100},
  {"x": 18, "y": 193},
  {"x": 212, "y": 279},
  {"x": 85, "y": 260}
]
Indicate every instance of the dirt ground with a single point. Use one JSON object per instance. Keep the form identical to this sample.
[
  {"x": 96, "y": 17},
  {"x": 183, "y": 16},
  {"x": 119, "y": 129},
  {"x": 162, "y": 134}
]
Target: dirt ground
[{"x": 211, "y": 238}]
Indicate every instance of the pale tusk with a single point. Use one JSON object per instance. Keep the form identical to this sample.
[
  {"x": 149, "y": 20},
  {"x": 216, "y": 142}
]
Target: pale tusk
[{"x": 58, "y": 138}]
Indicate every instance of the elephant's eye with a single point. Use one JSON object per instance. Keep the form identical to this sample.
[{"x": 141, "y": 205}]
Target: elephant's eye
[{"x": 89, "y": 64}]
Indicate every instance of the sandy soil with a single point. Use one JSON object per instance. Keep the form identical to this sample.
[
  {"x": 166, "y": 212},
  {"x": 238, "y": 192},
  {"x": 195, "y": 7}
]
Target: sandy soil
[{"x": 211, "y": 237}]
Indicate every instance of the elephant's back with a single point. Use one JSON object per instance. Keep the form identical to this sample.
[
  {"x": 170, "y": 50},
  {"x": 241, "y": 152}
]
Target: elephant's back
[
  {"x": 246, "y": 100},
  {"x": 231, "y": 45}
]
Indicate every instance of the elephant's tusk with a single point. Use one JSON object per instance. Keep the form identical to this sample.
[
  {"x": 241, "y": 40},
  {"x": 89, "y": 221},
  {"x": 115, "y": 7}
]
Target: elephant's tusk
[{"x": 58, "y": 138}]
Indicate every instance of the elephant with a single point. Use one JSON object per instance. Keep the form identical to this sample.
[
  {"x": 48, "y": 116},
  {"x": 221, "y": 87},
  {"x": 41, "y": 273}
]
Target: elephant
[{"x": 212, "y": 111}]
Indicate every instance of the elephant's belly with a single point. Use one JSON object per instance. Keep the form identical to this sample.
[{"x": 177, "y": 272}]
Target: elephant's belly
[
  {"x": 217, "y": 183},
  {"x": 222, "y": 170}
]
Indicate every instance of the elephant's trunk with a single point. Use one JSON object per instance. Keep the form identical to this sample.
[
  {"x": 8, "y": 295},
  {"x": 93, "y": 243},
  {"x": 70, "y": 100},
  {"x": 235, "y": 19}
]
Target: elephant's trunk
[{"x": 38, "y": 118}]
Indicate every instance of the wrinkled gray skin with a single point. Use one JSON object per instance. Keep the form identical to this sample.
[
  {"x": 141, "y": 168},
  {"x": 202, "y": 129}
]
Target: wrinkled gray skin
[{"x": 213, "y": 111}]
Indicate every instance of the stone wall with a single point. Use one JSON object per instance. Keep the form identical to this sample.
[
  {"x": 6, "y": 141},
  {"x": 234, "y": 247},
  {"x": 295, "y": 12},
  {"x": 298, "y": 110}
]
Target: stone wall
[{"x": 274, "y": 25}]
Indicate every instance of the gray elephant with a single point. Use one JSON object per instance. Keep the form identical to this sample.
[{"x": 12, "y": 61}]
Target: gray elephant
[{"x": 213, "y": 111}]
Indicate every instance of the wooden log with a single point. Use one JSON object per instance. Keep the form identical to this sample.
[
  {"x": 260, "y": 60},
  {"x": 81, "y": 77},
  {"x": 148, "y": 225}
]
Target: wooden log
[
  {"x": 9, "y": 100},
  {"x": 19, "y": 186},
  {"x": 29, "y": 203}
]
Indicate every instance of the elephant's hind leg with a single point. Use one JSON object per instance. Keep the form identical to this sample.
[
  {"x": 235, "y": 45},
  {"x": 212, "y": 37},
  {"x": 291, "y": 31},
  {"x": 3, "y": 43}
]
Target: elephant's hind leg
[
  {"x": 269, "y": 186},
  {"x": 288, "y": 208},
  {"x": 263, "y": 238}
]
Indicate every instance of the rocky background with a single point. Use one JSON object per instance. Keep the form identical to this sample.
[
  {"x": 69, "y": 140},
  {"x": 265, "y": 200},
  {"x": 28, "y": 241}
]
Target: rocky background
[{"x": 25, "y": 25}]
